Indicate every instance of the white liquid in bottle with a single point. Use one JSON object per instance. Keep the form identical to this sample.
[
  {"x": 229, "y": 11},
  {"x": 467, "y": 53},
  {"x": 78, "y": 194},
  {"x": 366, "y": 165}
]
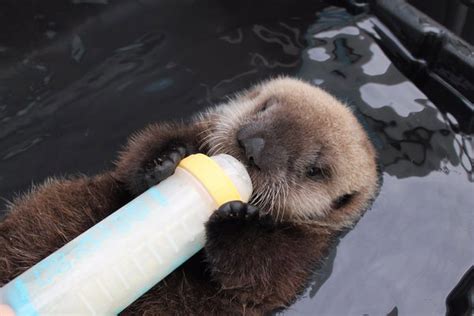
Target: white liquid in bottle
[{"x": 106, "y": 268}]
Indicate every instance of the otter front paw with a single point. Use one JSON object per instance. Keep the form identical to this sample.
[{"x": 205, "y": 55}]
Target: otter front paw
[
  {"x": 235, "y": 210},
  {"x": 163, "y": 165},
  {"x": 238, "y": 212},
  {"x": 235, "y": 223}
]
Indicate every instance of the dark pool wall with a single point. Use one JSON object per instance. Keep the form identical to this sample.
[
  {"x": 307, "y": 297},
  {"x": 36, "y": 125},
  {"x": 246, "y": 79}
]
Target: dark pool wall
[
  {"x": 76, "y": 78},
  {"x": 456, "y": 15}
]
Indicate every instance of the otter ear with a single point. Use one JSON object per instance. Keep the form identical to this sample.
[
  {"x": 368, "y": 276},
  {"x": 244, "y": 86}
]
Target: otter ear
[{"x": 343, "y": 200}]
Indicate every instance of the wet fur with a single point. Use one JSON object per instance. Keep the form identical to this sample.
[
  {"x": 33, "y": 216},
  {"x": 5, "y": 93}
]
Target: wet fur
[{"x": 249, "y": 267}]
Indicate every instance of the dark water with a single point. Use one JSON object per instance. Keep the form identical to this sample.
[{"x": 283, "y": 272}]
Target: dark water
[{"x": 69, "y": 99}]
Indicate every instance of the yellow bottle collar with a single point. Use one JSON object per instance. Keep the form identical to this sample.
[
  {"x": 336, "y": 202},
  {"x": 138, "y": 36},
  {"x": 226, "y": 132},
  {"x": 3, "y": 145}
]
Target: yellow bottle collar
[{"x": 212, "y": 177}]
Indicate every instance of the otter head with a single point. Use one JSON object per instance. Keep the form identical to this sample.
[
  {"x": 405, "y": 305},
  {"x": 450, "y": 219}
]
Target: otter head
[{"x": 307, "y": 155}]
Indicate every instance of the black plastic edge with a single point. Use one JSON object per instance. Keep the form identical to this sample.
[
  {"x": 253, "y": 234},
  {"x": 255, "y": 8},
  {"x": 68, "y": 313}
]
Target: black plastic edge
[{"x": 433, "y": 57}]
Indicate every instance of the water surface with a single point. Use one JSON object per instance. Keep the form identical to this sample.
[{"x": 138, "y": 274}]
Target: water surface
[{"x": 68, "y": 101}]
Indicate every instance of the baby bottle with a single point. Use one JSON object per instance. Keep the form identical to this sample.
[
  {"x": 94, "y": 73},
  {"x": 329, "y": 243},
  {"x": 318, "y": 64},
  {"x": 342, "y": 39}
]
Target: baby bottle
[{"x": 109, "y": 266}]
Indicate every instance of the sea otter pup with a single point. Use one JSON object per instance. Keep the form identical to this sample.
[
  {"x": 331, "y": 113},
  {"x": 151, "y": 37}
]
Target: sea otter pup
[{"x": 314, "y": 174}]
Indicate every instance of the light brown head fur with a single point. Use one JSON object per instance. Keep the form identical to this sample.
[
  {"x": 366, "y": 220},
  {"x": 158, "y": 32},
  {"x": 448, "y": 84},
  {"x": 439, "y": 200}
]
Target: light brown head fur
[{"x": 317, "y": 164}]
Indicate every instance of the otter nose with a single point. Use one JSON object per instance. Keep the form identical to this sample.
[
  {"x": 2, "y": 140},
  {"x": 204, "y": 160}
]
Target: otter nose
[{"x": 253, "y": 148}]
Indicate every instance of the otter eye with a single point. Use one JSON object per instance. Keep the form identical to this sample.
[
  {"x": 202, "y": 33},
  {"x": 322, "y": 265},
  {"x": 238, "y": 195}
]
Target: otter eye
[
  {"x": 317, "y": 173},
  {"x": 267, "y": 104},
  {"x": 342, "y": 201}
]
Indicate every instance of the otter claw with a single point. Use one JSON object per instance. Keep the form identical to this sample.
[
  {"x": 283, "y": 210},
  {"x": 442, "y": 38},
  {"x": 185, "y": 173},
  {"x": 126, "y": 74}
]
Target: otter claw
[{"x": 163, "y": 165}]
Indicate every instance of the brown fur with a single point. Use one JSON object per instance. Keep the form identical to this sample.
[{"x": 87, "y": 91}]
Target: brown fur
[
  {"x": 247, "y": 268},
  {"x": 311, "y": 126}
]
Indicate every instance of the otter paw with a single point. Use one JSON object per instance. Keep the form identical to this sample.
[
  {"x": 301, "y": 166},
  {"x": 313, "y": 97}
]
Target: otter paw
[
  {"x": 236, "y": 210},
  {"x": 163, "y": 165},
  {"x": 234, "y": 217}
]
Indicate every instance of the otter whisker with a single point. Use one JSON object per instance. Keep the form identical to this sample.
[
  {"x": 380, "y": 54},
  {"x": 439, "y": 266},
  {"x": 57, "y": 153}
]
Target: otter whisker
[
  {"x": 281, "y": 195},
  {"x": 275, "y": 199},
  {"x": 281, "y": 192}
]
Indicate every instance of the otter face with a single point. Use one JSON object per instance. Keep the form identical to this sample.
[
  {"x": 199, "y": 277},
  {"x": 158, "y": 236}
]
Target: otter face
[{"x": 307, "y": 155}]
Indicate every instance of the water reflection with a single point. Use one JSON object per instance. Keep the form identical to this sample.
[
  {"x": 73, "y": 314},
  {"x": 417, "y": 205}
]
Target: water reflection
[{"x": 415, "y": 138}]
